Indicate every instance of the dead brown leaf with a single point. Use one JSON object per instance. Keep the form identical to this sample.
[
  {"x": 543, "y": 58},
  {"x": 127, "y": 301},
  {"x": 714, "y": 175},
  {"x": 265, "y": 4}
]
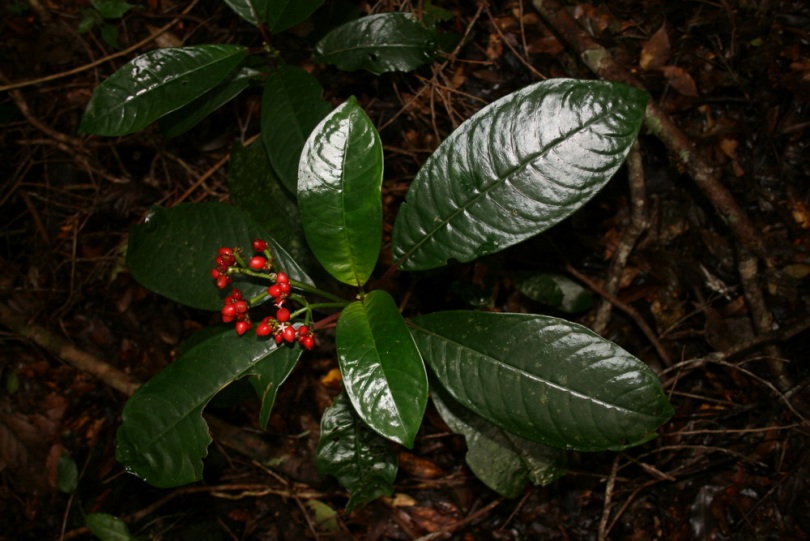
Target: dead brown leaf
[
  {"x": 655, "y": 51},
  {"x": 680, "y": 80}
]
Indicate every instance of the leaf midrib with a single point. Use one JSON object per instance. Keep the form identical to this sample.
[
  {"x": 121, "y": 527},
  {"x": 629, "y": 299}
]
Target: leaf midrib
[
  {"x": 500, "y": 181},
  {"x": 534, "y": 377}
]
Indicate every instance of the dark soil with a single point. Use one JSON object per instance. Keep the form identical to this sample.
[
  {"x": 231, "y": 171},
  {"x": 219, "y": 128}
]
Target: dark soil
[{"x": 729, "y": 341}]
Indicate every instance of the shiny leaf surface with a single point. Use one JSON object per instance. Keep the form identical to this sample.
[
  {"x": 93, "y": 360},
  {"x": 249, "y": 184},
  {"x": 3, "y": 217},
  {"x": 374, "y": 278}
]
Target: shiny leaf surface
[
  {"x": 163, "y": 437},
  {"x": 253, "y": 11},
  {"x": 362, "y": 461},
  {"x": 514, "y": 169},
  {"x": 379, "y": 43},
  {"x": 556, "y": 291},
  {"x": 155, "y": 84},
  {"x": 173, "y": 252},
  {"x": 180, "y": 121},
  {"x": 256, "y": 189},
  {"x": 502, "y": 461},
  {"x": 339, "y": 193},
  {"x": 383, "y": 372},
  {"x": 292, "y": 105},
  {"x": 544, "y": 379}
]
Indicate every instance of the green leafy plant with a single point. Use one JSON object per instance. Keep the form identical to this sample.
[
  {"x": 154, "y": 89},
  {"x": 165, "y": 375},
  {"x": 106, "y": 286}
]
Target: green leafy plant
[
  {"x": 521, "y": 388},
  {"x": 101, "y": 11}
]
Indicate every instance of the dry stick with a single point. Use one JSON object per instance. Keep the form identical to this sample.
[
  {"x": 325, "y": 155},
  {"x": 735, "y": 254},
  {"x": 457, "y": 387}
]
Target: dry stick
[
  {"x": 707, "y": 178},
  {"x": 100, "y": 61},
  {"x": 611, "y": 483},
  {"x": 638, "y": 222}
]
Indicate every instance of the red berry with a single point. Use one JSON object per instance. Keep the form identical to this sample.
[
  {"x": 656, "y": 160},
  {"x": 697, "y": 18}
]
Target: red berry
[
  {"x": 242, "y": 327},
  {"x": 282, "y": 278},
  {"x": 274, "y": 291},
  {"x": 278, "y": 337},
  {"x": 307, "y": 342},
  {"x": 257, "y": 262},
  {"x": 227, "y": 319},
  {"x": 240, "y": 306},
  {"x": 229, "y": 310},
  {"x": 289, "y": 333},
  {"x": 214, "y": 274},
  {"x": 263, "y": 329},
  {"x": 223, "y": 281},
  {"x": 236, "y": 294},
  {"x": 284, "y": 287},
  {"x": 224, "y": 251},
  {"x": 259, "y": 245},
  {"x": 283, "y": 315},
  {"x": 303, "y": 330}
]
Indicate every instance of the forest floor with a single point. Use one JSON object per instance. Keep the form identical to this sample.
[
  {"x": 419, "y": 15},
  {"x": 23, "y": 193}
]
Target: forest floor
[{"x": 699, "y": 266}]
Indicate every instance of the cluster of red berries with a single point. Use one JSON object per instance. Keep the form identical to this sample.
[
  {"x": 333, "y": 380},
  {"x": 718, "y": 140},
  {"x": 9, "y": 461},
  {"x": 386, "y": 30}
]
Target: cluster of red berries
[
  {"x": 235, "y": 307},
  {"x": 224, "y": 260}
]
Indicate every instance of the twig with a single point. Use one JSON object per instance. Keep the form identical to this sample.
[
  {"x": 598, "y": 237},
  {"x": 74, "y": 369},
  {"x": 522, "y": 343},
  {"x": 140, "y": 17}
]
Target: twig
[
  {"x": 611, "y": 483},
  {"x": 705, "y": 176},
  {"x": 100, "y": 61},
  {"x": 638, "y": 223}
]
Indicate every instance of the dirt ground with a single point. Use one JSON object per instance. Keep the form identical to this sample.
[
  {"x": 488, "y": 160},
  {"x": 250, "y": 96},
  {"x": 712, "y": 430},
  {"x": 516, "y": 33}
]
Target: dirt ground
[{"x": 699, "y": 264}]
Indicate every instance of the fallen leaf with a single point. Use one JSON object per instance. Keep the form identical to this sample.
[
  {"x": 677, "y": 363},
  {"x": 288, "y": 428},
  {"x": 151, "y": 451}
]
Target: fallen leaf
[
  {"x": 680, "y": 80},
  {"x": 655, "y": 51}
]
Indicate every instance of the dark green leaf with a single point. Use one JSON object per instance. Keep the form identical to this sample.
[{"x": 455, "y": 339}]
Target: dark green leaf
[
  {"x": 253, "y": 11},
  {"x": 255, "y": 189},
  {"x": 545, "y": 379},
  {"x": 379, "y": 43},
  {"x": 382, "y": 369},
  {"x": 109, "y": 34},
  {"x": 292, "y": 106},
  {"x": 163, "y": 437},
  {"x": 283, "y": 14},
  {"x": 503, "y": 461},
  {"x": 516, "y": 168},
  {"x": 89, "y": 18},
  {"x": 188, "y": 116},
  {"x": 339, "y": 193},
  {"x": 173, "y": 252},
  {"x": 107, "y": 527},
  {"x": 111, "y": 9},
  {"x": 557, "y": 291},
  {"x": 362, "y": 461},
  {"x": 269, "y": 374},
  {"x": 155, "y": 84},
  {"x": 67, "y": 475}
]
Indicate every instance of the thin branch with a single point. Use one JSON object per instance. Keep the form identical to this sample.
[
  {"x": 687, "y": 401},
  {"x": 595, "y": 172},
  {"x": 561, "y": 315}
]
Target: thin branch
[{"x": 91, "y": 65}]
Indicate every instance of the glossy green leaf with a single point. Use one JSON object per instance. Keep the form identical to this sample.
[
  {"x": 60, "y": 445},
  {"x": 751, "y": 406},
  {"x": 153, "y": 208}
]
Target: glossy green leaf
[
  {"x": 253, "y": 11},
  {"x": 163, "y": 437},
  {"x": 173, "y": 252},
  {"x": 556, "y": 291},
  {"x": 339, "y": 193},
  {"x": 155, "y": 84},
  {"x": 516, "y": 168},
  {"x": 542, "y": 378},
  {"x": 502, "y": 461},
  {"x": 183, "y": 119},
  {"x": 382, "y": 370},
  {"x": 256, "y": 189},
  {"x": 362, "y": 461},
  {"x": 107, "y": 527},
  {"x": 292, "y": 106},
  {"x": 379, "y": 43}
]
